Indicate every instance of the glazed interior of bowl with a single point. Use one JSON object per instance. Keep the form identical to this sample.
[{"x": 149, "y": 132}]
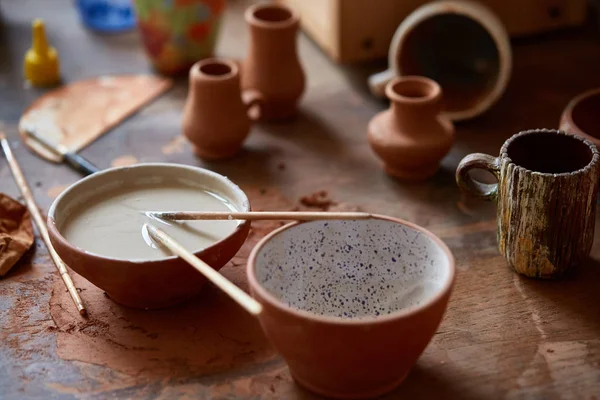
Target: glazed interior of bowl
[
  {"x": 104, "y": 214},
  {"x": 586, "y": 117},
  {"x": 456, "y": 52},
  {"x": 353, "y": 269}
]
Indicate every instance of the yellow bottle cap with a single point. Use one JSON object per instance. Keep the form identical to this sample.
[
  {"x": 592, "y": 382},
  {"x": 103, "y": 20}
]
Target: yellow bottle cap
[{"x": 41, "y": 60}]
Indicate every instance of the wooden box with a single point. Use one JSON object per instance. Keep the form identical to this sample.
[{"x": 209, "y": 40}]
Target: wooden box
[{"x": 359, "y": 30}]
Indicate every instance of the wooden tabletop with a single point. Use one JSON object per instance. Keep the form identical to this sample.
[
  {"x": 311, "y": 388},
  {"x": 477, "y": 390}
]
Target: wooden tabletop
[{"x": 503, "y": 336}]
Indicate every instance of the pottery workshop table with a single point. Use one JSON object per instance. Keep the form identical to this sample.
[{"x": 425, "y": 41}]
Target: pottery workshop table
[{"x": 503, "y": 336}]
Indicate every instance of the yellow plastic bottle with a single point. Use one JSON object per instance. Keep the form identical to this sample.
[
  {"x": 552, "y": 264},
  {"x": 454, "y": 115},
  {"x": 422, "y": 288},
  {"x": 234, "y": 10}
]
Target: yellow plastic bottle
[{"x": 41, "y": 60}]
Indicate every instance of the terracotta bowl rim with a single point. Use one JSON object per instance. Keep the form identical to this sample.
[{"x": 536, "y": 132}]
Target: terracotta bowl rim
[
  {"x": 196, "y": 68},
  {"x": 594, "y": 160},
  {"x": 567, "y": 114},
  {"x": 54, "y": 231},
  {"x": 251, "y": 18},
  {"x": 396, "y": 315}
]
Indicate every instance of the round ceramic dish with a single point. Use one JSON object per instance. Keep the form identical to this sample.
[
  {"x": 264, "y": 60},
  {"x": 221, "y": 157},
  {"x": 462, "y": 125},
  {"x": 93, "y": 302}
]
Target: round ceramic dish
[
  {"x": 152, "y": 283},
  {"x": 581, "y": 117},
  {"x": 351, "y": 305}
]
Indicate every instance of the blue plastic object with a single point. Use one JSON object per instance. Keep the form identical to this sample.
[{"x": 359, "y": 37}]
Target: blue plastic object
[{"x": 107, "y": 15}]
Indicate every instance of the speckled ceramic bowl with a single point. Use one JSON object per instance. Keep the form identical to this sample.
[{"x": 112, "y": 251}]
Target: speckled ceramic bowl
[
  {"x": 351, "y": 305},
  {"x": 142, "y": 283}
]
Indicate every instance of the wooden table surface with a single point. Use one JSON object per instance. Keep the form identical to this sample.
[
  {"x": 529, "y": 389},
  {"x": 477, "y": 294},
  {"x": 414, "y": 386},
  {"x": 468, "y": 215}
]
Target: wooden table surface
[{"x": 503, "y": 336}]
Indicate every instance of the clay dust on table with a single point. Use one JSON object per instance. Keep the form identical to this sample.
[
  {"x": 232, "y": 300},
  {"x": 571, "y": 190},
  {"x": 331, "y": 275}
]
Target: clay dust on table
[
  {"x": 124, "y": 161},
  {"x": 208, "y": 334},
  {"x": 55, "y": 191},
  {"x": 176, "y": 145}
]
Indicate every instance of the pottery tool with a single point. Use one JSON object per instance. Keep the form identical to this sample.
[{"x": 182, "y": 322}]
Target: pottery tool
[
  {"x": 257, "y": 215},
  {"x": 39, "y": 221},
  {"x": 237, "y": 294},
  {"x": 78, "y": 113},
  {"x": 75, "y": 161}
]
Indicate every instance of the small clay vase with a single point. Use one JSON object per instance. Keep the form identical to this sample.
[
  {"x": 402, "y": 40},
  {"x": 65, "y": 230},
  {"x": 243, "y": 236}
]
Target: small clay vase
[
  {"x": 581, "y": 116},
  {"x": 411, "y": 137},
  {"x": 215, "y": 118},
  {"x": 272, "y": 66}
]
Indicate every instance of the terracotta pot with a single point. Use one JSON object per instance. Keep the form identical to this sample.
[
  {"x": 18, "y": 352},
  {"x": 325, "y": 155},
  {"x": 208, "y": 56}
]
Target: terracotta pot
[
  {"x": 461, "y": 45},
  {"x": 546, "y": 194},
  {"x": 215, "y": 118},
  {"x": 272, "y": 66},
  {"x": 342, "y": 332},
  {"x": 582, "y": 117},
  {"x": 145, "y": 284},
  {"x": 411, "y": 137}
]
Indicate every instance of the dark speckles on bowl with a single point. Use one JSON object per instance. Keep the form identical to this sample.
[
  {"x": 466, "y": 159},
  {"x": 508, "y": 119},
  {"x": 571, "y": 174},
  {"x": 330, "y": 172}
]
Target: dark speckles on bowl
[{"x": 375, "y": 267}]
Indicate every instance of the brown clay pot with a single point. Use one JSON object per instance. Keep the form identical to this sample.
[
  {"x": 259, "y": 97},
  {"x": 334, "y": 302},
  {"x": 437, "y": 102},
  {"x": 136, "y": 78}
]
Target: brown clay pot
[
  {"x": 145, "y": 284},
  {"x": 215, "y": 118},
  {"x": 342, "y": 332},
  {"x": 272, "y": 66},
  {"x": 581, "y": 116},
  {"x": 411, "y": 137}
]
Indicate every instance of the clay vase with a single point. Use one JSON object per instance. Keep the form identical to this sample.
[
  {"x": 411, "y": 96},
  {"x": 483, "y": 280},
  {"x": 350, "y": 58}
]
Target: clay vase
[
  {"x": 411, "y": 137},
  {"x": 215, "y": 118},
  {"x": 460, "y": 44},
  {"x": 581, "y": 116},
  {"x": 272, "y": 66}
]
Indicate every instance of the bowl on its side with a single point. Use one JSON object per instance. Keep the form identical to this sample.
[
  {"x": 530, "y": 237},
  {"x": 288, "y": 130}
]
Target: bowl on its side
[
  {"x": 351, "y": 305},
  {"x": 581, "y": 116},
  {"x": 145, "y": 284}
]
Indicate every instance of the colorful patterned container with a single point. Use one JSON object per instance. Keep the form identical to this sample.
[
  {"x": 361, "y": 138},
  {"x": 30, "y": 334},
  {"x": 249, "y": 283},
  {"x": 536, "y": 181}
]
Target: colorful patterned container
[{"x": 177, "y": 33}]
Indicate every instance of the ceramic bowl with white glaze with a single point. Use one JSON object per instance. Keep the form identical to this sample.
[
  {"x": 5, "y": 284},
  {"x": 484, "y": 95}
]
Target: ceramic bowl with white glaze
[
  {"x": 140, "y": 283},
  {"x": 351, "y": 305}
]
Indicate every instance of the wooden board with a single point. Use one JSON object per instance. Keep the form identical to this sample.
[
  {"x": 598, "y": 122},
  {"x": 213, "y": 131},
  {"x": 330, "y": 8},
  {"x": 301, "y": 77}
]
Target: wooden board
[
  {"x": 360, "y": 30},
  {"x": 78, "y": 113}
]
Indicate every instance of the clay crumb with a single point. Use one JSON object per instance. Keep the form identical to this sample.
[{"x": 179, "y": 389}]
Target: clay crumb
[
  {"x": 124, "y": 161},
  {"x": 550, "y": 351},
  {"x": 176, "y": 145},
  {"x": 318, "y": 199},
  {"x": 54, "y": 191}
]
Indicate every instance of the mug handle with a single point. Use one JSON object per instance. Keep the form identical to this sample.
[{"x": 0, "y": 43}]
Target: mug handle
[
  {"x": 253, "y": 99},
  {"x": 481, "y": 190}
]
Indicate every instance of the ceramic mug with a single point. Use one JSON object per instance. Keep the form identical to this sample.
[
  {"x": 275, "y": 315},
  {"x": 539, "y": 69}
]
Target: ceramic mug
[
  {"x": 218, "y": 115},
  {"x": 177, "y": 33},
  {"x": 546, "y": 195}
]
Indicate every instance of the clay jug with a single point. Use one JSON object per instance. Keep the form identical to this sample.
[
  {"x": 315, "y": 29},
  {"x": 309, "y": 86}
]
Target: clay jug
[
  {"x": 411, "y": 137},
  {"x": 215, "y": 118},
  {"x": 272, "y": 66}
]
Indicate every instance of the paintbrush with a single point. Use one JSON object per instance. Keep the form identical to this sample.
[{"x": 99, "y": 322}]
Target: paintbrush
[
  {"x": 237, "y": 294},
  {"x": 257, "y": 215},
  {"x": 39, "y": 221},
  {"x": 74, "y": 160}
]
